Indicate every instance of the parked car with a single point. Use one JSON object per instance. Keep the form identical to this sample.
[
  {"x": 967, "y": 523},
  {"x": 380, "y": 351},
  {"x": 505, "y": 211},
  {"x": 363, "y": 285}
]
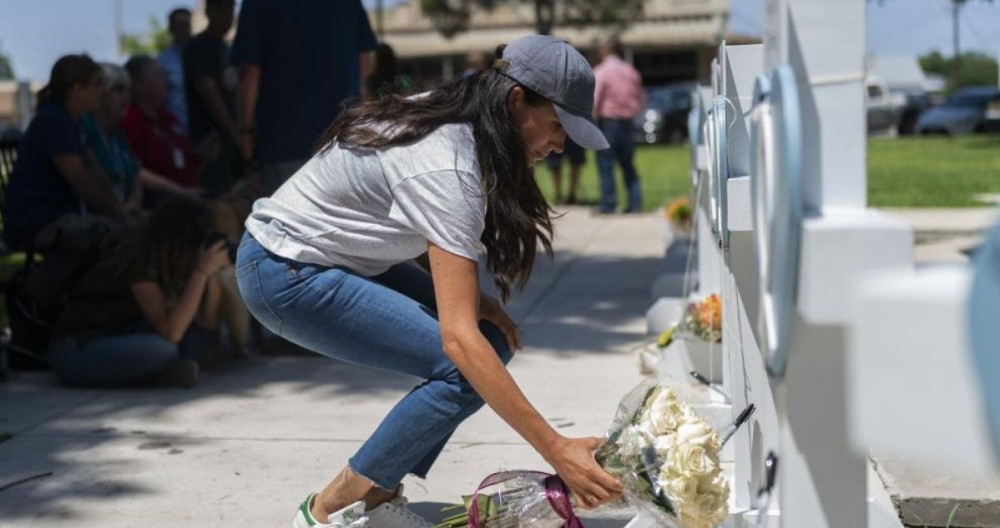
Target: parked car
[
  {"x": 664, "y": 119},
  {"x": 881, "y": 107},
  {"x": 965, "y": 112},
  {"x": 906, "y": 83},
  {"x": 914, "y": 103}
]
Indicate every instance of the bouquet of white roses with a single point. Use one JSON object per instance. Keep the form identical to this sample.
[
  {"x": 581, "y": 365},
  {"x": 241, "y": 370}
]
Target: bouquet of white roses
[{"x": 666, "y": 456}]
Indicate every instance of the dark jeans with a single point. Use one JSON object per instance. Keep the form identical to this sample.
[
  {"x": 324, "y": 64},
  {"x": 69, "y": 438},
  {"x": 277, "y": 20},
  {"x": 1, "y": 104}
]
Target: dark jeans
[
  {"x": 619, "y": 135},
  {"x": 133, "y": 356}
]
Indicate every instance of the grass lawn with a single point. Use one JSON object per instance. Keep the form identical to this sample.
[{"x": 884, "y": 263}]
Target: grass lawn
[
  {"x": 932, "y": 172},
  {"x": 902, "y": 172}
]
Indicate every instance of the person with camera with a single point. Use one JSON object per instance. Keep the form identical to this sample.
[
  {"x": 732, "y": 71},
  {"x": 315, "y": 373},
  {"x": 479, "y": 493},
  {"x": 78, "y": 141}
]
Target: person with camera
[{"x": 142, "y": 311}]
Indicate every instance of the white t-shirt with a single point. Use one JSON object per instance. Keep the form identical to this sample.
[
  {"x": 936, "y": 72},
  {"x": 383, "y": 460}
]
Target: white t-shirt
[{"x": 369, "y": 209}]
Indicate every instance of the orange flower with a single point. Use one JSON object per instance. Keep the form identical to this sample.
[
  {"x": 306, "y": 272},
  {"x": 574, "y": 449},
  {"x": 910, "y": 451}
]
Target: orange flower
[
  {"x": 679, "y": 212},
  {"x": 710, "y": 313}
]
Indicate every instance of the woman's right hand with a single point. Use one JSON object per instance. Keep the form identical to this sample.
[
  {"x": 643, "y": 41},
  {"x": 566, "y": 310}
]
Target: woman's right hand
[
  {"x": 573, "y": 460},
  {"x": 213, "y": 258}
]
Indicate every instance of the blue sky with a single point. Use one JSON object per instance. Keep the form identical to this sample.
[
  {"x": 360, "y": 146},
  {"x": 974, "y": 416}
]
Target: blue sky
[{"x": 36, "y": 32}]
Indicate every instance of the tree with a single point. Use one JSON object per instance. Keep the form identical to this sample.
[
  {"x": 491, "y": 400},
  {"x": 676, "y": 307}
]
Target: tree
[
  {"x": 6, "y": 70},
  {"x": 157, "y": 40},
  {"x": 452, "y": 16},
  {"x": 956, "y": 9},
  {"x": 977, "y": 68}
]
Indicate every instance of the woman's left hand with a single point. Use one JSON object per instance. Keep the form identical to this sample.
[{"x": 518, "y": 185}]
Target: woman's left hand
[{"x": 491, "y": 310}]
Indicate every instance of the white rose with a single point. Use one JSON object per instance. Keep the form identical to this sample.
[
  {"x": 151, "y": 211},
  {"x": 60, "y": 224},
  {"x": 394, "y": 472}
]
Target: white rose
[
  {"x": 714, "y": 482},
  {"x": 632, "y": 441},
  {"x": 688, "y": 413},
  {"x": 681, "y": 490},
  {"x": 697, "y": 432},
  {"x": 664, "y": 444},
  {"x": 688, "y": 521},
  {"x": 648, "y": 432},
  {"x": 664, "y": 413},
  {"x": 712, "y": 507},
  {"x": 691, "y": 460}
]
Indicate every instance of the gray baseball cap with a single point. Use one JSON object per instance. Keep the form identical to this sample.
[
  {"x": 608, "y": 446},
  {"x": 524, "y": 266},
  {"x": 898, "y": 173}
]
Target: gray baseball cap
[{"x": 554, "y": 69}]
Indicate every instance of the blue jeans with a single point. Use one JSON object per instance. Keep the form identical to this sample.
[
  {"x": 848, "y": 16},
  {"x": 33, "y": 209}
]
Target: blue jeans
[
  {"x": 385, "y": 322},
  {"x": 134, "y": 356},
  {"x": 619, "y": 135}
]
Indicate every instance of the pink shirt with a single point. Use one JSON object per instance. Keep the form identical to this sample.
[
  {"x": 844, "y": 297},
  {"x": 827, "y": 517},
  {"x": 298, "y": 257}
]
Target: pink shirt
[{"x": 618, "y": 93}]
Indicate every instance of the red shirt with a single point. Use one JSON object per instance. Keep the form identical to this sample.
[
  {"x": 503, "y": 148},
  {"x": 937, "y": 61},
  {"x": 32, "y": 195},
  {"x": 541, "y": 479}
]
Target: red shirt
[{"x": 161, "y": 145}]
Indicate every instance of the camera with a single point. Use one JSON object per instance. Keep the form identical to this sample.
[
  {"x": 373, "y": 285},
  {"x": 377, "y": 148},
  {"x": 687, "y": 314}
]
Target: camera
[{"x": 216, "y": 236}]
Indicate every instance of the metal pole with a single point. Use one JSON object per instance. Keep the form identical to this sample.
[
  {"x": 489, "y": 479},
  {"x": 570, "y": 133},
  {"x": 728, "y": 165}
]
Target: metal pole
[
  {"x": 118, "y": 28},
  {"x": 956, "y": 66},
  {"x": 378, "y": 19}
]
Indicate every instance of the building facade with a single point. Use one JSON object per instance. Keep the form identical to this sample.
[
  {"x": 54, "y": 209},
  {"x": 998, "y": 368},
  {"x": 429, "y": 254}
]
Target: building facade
[{"x": 673, "y": 40}]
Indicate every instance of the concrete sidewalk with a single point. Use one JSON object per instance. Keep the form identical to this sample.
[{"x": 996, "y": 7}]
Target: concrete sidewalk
[
  {"x": 247, "y": 445},
  {"x": 944, "y": 235}
]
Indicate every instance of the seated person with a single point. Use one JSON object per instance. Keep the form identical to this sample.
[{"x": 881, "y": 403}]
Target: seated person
[
  {"x": 105, "y": 139},
  {"x": 144, "y": 310},
  {"x": 157, "y": 137},
  {"x": 51, "y": 178},
  {"x": 171, "y": 167}
]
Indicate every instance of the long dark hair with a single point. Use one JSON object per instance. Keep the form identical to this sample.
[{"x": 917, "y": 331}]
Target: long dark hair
[
  {"x": 67, "y": 72},
  {"x": 518, "y": 218},
  {"x": 167, "y": 243}
]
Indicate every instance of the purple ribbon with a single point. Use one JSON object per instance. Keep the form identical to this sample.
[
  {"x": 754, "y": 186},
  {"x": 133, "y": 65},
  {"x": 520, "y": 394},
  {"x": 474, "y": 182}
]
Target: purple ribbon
[
  {"x": 555, "y": 491},
  {"x": 558, "y": 495}
]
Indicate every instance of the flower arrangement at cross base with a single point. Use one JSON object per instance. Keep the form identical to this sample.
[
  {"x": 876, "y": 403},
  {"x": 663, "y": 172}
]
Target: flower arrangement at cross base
[
  {"x": 700, "y": 335},
  {"x": 664, "y": 454},
  {"x": 679, "y": 214},
  {"x": 703, "y": 319}
]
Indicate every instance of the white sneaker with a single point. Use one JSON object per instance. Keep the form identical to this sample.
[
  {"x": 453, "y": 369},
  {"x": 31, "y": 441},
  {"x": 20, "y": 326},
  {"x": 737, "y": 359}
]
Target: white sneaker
[
  {"x": 395, "y": 514},
  {"x": 352, "y": 516}
]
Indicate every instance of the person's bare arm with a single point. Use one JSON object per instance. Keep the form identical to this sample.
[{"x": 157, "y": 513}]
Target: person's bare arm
[
  {"x": 598, "y": 95},
  {"x": 456, "y": 287},
  {"x": 87, "y": 186},
  {"x": 246, "y": 97},
  {"x": 211, "y": 95},
  {"x": 173, "y": 324},
  {"x": 155, "y": 182},
  {"x": 211, "y": 304},
  {"x": 133, "y": 202},
  {"x": 367, "y": 60}
]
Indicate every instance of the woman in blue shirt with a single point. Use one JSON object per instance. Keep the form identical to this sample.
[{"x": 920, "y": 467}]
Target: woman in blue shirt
[
  {"x": 51, "y": 178},
  {"x": 104, "y": 137}
]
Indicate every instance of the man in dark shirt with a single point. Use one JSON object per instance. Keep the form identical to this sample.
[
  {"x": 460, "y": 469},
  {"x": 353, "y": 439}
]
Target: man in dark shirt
[
  {"x": 298, "y": 60},
  {"x": 211, "y": 84}
]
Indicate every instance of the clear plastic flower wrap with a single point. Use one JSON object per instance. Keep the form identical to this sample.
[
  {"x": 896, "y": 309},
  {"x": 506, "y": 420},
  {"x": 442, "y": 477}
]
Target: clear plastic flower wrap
[{"x": 664, "y": 454}]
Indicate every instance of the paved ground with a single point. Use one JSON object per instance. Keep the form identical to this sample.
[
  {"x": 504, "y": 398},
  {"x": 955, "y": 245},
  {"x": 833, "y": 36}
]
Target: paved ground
[
  {"x": 942, "y": 235},
  {"x": 247, "y": 445}
]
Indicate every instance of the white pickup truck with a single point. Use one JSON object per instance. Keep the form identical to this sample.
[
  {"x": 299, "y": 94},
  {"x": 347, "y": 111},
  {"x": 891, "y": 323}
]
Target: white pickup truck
[{"x": 883, "y": 107}]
